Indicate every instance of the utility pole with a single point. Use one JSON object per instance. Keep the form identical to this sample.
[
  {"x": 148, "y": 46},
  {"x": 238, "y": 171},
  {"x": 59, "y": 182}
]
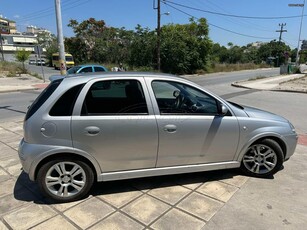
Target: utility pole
[
  {"x": 1, "y": 47},
  {"x": 299, "y": 36},
  {"x": 281, "y": 31},
  {"x": 60, "y": 37},
  {"x": 159, "y": 36}
]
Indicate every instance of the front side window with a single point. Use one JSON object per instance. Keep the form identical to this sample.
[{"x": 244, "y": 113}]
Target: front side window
[
  {"x": 115, "y": 97},
  {"x": 178, "y": 98}
]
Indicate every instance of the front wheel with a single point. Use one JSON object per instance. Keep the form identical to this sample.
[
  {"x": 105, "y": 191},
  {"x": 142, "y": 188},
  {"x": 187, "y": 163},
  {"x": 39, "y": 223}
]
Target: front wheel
[
  {"x": 262, "y": 159},
  {"x": 65, "y": 179}
]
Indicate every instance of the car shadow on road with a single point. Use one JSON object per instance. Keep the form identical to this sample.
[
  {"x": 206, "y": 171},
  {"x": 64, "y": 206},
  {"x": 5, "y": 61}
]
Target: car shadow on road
[{"x": 28, "y": 191}]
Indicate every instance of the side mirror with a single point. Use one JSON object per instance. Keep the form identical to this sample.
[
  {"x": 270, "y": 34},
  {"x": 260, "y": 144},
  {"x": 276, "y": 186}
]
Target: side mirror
[{"x": 224, "y": 110}]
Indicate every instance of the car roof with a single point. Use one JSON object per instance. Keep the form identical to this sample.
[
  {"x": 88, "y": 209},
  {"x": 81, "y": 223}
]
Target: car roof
[{"x": 94, "y": 75}]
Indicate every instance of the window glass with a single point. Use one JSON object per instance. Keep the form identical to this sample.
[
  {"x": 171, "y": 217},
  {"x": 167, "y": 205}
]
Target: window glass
[
  {"x": 69, "y": 58},
  {"x": 86, "y": 70},
  {"x": 99, "y": 69},
  {"x": 73, "y": 70},
  {"x": 115, "y": 97},
  {"x": 178, "y": 98},
  {"x": 39, "y": 101},
  {"x": 64, "y": 106}
]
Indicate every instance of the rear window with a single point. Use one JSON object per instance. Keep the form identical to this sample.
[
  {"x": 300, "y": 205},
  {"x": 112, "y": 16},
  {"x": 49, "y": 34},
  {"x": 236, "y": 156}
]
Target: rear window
[{"x": 40, "y": 100}]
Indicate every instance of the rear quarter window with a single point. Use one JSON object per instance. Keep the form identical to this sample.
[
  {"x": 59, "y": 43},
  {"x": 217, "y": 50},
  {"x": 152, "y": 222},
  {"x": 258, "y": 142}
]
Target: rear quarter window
[
  {"x": 65, "y": 104},
  {"x": 40, "y": 100}
]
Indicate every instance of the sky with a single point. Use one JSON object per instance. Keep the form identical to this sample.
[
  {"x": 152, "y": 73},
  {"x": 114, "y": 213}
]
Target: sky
[{"x": 251, "y": 20}]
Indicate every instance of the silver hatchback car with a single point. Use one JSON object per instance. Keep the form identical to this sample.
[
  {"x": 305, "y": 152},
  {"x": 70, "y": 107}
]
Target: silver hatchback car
[{"x": 115, "y": 126}]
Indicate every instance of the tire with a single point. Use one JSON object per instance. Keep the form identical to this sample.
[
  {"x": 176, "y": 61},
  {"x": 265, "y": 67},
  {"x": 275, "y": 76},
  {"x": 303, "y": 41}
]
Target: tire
[
  {"x": 262, "y": 159},
  {"x": 65, "y": 179}
]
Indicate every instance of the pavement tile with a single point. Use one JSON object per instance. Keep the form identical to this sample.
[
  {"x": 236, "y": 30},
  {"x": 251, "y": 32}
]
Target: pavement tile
[
  {"x": 2, "y": 226},
  {"x": 199, "y": 205},
  {"x": 9, "y": 161},
  {"x": 9, "y": 203},
  {"x": 218, "y": 190},
  {"x": 178, "y": 220},
  {"x": 55, "y": 223},
  {"x": 64, "y": 206},
  {"x": 170, "y": 194},
  {"x": 146, "y": 209},
  {"x": 6, "y": 151},
  {"x": 89, "y": 212},
  {"x": 15, "y": 170},
  {"x": 236, "y": 180},
  {"x": 117, "y": 221},
  {"x": 28, "y": 216},
  {"x": 191, "y": 180},
  {"x": 7, "y": 136},
  {"x": 7, "y": 187},
  {"x": 119, "y": 199},
  {"x": 3, "y": 175}
]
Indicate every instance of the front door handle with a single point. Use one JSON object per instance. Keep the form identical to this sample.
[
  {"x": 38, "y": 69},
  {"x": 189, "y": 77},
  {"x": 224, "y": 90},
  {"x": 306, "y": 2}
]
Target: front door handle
[
  {"x": 170, "y": 128},
  {"x": 92, "y": 131}
]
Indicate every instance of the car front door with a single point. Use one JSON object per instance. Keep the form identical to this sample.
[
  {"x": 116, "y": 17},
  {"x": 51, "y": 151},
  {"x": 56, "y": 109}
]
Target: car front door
[
  {"x": 113, "y": 120},
  {"x": 191, "y": 130}
]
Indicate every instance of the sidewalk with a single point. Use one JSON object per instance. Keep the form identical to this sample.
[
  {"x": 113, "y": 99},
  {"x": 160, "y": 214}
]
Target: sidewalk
[
  {"x": 24, "y": 82},
  {"x": 277, "y": 83}
]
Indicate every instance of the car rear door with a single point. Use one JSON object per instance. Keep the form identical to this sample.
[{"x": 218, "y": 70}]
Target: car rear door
[{"x": 113, "y": 121}]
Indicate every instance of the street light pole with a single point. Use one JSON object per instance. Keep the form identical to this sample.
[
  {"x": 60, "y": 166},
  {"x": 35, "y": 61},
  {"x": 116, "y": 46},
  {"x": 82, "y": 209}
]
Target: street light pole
[
  {"x": 299, "y": 36},
  {"x": 60, "y": 37},
  {"x": 159, "y": 36}
]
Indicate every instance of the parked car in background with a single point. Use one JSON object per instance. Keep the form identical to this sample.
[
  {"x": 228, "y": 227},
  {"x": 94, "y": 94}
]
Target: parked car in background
[
  {"x": 86, "y": 69},
  {"x": 32, "y": 62},
  {"x": 40, "y": 62},
  {"x": 121, "y": 125}
]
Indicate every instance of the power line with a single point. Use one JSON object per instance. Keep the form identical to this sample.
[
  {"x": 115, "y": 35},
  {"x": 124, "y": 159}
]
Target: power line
[
  {"x": 219, "y": 27},
  {"x": 232, "y": 15},
  {"x": 45, "y": 13}
]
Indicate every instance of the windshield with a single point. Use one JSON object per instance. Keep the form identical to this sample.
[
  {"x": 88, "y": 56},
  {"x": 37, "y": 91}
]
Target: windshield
[
  {"x": 73, "y": 70},
  {"x": 68, "y": 58}
]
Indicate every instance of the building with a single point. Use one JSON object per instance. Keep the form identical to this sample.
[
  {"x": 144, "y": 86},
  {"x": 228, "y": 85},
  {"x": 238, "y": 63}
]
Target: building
[
  {"x": 7, "y": 26},
  {"x": 13, "y": 42}
]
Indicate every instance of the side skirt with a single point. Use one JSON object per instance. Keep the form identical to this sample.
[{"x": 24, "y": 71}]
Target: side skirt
[{"x": 121, "y": 175}]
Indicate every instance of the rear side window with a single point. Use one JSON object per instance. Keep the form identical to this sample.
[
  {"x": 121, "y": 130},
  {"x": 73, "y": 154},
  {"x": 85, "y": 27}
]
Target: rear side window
[
  {"x": 116, "y": 97},
  {"x": 99, "y": 69},
  {"x": 40, "y": 100},
  {"x": 65, "y": 105}
]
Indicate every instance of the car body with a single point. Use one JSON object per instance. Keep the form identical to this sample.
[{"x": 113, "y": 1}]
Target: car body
[
  {"x": 41, "y": 62},
  {"x": 120, "y": 125},
  {"x": 86, "y": 69},
  {"x": 32, "y": 62}
]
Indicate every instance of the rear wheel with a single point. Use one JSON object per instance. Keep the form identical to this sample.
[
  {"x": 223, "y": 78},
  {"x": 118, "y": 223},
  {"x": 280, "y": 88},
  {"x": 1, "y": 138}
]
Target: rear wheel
[
  {"x": 262, "y": 159},
  {"x": 65, "y": 179}
]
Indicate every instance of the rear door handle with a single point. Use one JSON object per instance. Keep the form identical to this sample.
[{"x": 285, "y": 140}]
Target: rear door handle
[
  {"x": 170, "y": 128},
  {"x": 92, "y": 131}
]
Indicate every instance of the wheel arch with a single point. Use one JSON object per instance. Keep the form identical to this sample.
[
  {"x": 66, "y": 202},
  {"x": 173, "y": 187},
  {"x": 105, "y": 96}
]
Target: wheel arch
[
  {"x": 278, "y": 139},
  {"x": 66, "y": 155}
]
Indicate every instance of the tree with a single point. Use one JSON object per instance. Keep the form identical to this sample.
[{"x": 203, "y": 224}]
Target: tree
[
  {"x": 89, "y": 31},
  {"x": 274, "y": 49},
  {"x": 190, "y": 49},
  {"x": 21, "y": 56}
]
